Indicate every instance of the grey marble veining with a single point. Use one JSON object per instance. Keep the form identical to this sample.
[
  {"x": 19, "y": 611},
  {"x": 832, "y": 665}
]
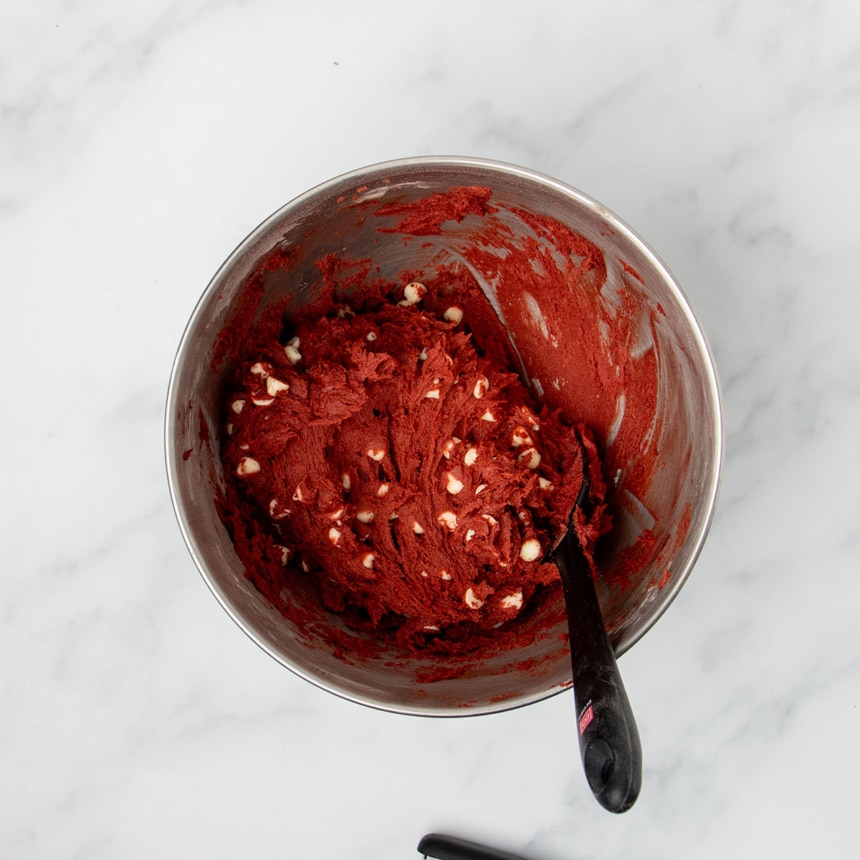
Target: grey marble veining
[{"x": 139, "y": 143}]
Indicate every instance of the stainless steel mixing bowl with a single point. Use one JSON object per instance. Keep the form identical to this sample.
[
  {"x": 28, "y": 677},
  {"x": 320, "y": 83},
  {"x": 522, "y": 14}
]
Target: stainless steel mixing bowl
[{"x": 677, "y": 505}]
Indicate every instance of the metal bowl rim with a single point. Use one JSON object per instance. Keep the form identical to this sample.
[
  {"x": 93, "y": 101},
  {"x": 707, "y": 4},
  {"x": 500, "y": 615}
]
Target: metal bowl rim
[{"x": 447, "y": 161}]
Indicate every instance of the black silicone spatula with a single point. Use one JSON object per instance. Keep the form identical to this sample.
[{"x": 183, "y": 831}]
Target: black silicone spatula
[{"x": 608, "y": 737}]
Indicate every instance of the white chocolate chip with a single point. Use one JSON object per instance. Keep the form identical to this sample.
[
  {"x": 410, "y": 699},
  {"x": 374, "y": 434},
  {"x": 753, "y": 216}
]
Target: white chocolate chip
[
  {"x": 520, "y": 437},
  {"x": 334, "y": 535},
  {"x": 453, "y": 314},
  {"x": 336, "y": 515},
  {"x": 513, "y": 601},
  {"x": 470, "y": 456},
  {"x": 433, "y": 394},
  {"x": 453, "y": 484},
  {"x": 488, "y": 416},
  {"x": 480, "y": 489},
  {"x": 367, "y": 560},
  {"x": 286, "y": 552},
  {"x": 259, "y": 370},
  {"x": 490, "y": 519},
  {"x": 371, "y": 336},
  {"x": 292, "y": 353},
  {"x": 449, "y": 446},
  {"x": 425, "y": 574},
  {"x": 298, "y": 495},
  {"x": 422, "y": 356},
  {"x": 276, "y": 511},
  {"x": 443, "y": 574},
  {"x": 229, "y": 429},
  {"x": 530, "y": 458},
  {"x": 238, "y": 406},
  {"x": 305, "y": 566},
  {"x": 376, "y": 454},
  {"x": 448, "y": 519},
  {"x": 346, "y": 481},
  {"x": 247, "y": 466},
  {"x": 414, "y": 292},
  {"x": 529, "y": 418},
  {"x": 545, "y": 484},
  {"x": 470, "y": 533},
  {"x": 262, "y": 401},
  {"x": 472, "y": 600},
  {"x": 530, "y": 550},
  {"x": 482, "y": 385},
  {"x": 431, "y": 628},
  {"x": 417, "y": 528},
  {"x": 365, "y": 516},
  {"x": 382, "y": 490},
  {"x": 276, "y": 386}
]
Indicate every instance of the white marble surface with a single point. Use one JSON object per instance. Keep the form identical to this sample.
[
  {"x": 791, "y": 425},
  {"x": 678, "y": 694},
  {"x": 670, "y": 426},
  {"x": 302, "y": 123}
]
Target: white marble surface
[{"x": 140, "y": 141}]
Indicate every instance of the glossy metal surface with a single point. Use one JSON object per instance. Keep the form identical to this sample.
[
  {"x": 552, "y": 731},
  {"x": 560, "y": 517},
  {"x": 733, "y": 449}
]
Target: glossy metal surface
[{"x": 688, "y": 399}]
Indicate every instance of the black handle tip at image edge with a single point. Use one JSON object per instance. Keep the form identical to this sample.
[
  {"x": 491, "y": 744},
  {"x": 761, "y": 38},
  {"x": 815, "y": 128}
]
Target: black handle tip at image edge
[{"x": 438, "y": 846}]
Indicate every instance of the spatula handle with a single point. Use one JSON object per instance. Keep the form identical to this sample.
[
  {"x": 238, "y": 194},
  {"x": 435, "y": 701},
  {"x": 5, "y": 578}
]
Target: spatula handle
[{"x": 608, "y": 738}]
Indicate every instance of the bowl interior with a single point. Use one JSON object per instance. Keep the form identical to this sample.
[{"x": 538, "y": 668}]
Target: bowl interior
[{"x": 660, "y": 430}]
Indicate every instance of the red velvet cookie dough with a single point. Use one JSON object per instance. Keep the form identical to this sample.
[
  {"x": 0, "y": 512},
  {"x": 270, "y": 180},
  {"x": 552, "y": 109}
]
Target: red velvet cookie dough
[{"x": 410, "y": 472}]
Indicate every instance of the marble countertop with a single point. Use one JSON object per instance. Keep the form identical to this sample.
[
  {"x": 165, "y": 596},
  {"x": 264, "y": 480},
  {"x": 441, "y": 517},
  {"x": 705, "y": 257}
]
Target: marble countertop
[{"x": 141, "y": 141}]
